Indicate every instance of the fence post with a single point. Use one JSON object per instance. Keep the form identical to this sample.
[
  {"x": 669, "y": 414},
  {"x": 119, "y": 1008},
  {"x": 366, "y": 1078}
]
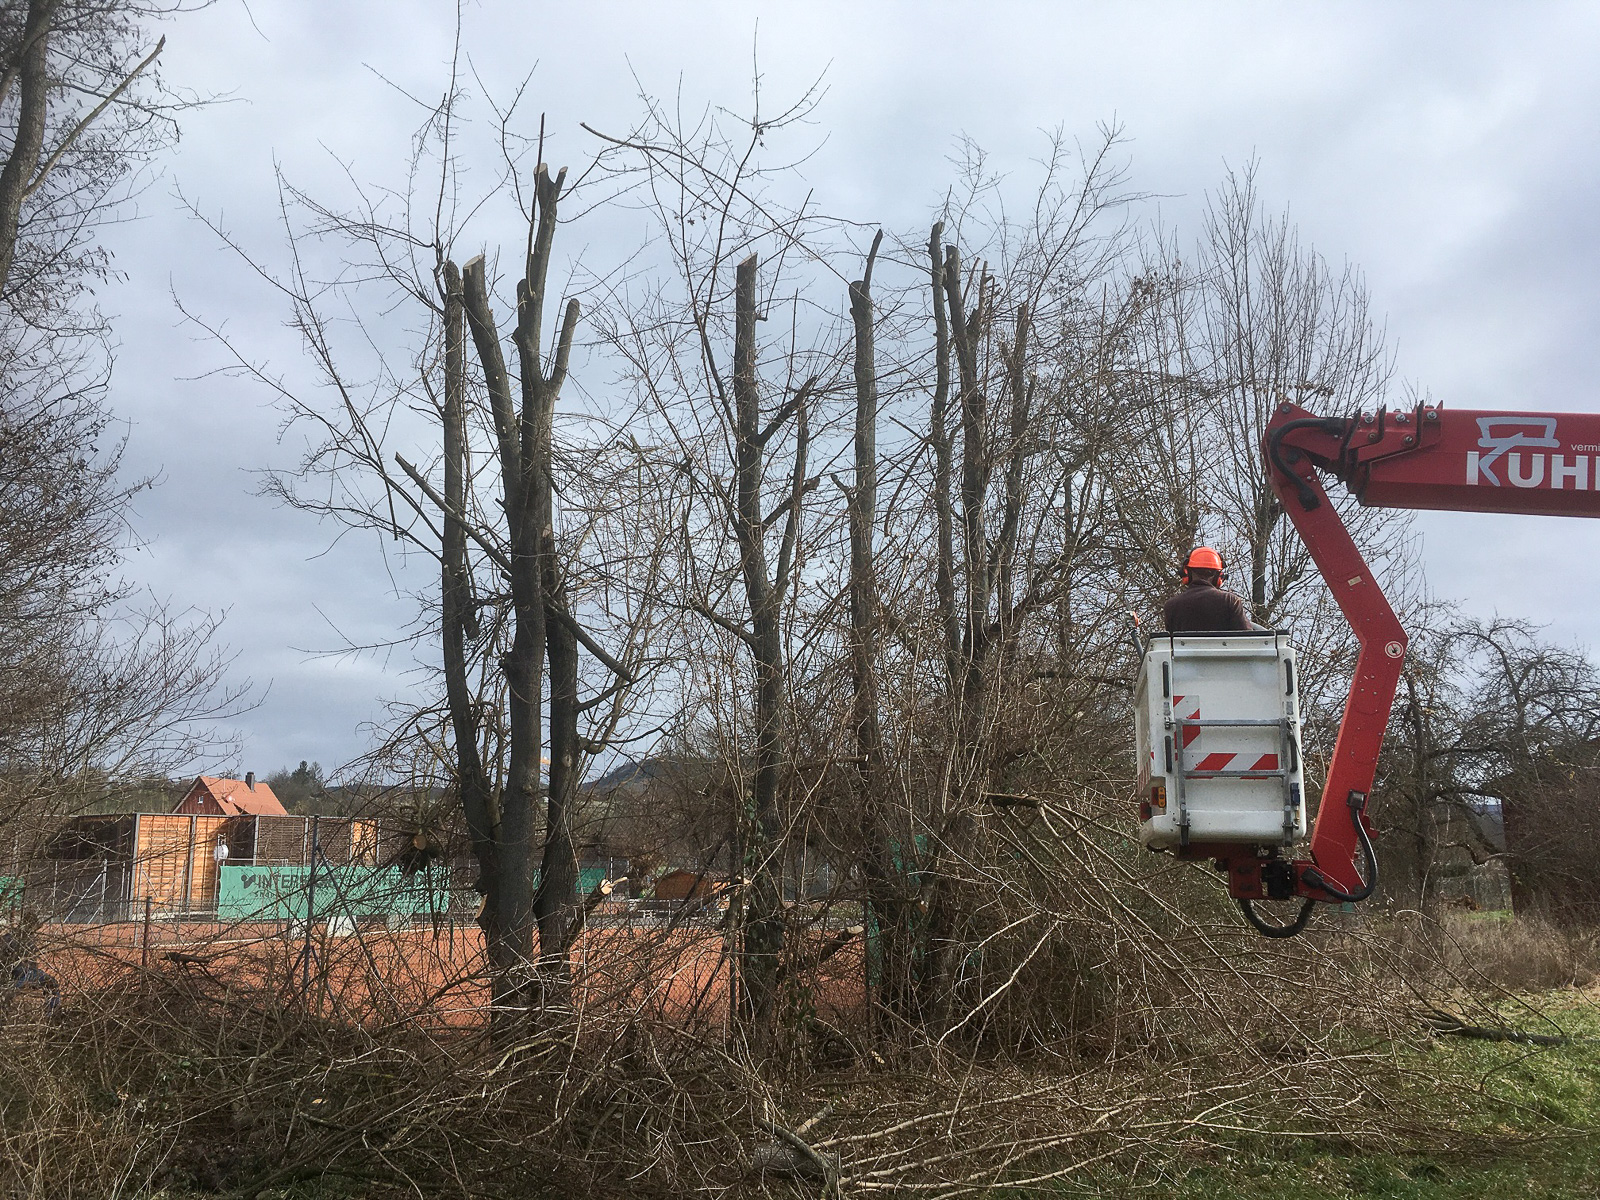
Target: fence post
[
  {"x": 144, "y": 942},
  {"x": 311, "y": 908},
  {"x": 140, "y": 880},
  {"x": 188, "y": 866}
]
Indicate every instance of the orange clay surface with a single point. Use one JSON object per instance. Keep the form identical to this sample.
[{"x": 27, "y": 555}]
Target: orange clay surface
[{"x": 421, "y": 974}]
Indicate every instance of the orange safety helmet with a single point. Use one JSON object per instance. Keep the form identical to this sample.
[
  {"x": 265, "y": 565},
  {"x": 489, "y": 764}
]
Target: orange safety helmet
[{"x": 1204, "y": 559}]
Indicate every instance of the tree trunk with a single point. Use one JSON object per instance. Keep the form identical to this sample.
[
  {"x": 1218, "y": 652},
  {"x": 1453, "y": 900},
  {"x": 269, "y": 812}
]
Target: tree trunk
[
  {"x": 1267, "y": 514},
  {"x": 33, "y": 93},
  {"x": 888, "y": 901},
  {"x": 523, "y": 664},
  {"x": 939, "y": 433},
  {"x": 965, "y": 331},
  {"x": 763, "y": 907},
  {"x": 556, "y": 901},
  {"x": 458, "y": 619},
  {"x": 540, "y": 623},
  {"x": 964, "y": 762},
  {"x": 1424, "y": 829},
  {"x": 863, "y": 505}
]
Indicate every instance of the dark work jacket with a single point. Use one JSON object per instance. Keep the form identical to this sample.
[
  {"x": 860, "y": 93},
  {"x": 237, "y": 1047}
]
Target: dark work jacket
[{"x": 1204, "y": 606}]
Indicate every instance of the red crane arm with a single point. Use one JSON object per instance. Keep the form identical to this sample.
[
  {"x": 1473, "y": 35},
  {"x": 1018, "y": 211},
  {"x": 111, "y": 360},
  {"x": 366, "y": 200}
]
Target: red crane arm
[{"x": 1461, "y": 460}]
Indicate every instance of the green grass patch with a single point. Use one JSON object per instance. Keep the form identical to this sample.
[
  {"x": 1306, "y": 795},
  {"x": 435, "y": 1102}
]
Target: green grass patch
[
  {"x": 1528, "y": 1125},
  {"x": 1565, "y": 1169}
]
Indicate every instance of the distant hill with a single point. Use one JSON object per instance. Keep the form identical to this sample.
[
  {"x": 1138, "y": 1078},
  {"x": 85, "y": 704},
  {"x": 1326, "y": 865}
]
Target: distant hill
[{"x": 631, "y": 771}]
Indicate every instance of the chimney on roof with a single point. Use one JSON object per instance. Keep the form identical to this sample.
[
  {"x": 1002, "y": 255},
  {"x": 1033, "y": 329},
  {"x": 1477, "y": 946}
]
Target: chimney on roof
[{"x": 250, "y": 780}]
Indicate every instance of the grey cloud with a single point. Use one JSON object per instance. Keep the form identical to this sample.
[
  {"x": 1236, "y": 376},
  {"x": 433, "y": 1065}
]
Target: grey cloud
[{"x": 1445, "y": 148}]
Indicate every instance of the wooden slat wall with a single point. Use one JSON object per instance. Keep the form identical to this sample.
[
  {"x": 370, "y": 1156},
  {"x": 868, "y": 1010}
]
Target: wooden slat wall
[
  {"x": 286, "y": 841},
  {"x": 364, "y": 838},
  {"x": 174, "y": 865},
  {"x": 281, "y": 841},
  {"x": 203, "y": 893}
]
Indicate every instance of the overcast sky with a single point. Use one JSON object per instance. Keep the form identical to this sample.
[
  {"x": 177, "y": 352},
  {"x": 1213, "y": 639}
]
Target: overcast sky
[{"x": 1450, "y": 150}]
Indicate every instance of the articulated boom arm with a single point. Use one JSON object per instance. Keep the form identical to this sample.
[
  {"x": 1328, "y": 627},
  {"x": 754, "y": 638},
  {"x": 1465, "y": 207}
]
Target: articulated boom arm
[{"x": 1539, "y": 463}]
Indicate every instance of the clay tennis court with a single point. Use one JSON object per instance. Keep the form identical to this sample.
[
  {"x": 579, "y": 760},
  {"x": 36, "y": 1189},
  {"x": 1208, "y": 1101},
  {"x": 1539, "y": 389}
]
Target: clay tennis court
[{"x": 432, "y": 975}]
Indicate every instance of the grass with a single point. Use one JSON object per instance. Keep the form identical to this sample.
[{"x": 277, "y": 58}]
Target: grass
[
  {"x": 1568, "y": 1170},
  {"x": 1547, "y": 1098}
]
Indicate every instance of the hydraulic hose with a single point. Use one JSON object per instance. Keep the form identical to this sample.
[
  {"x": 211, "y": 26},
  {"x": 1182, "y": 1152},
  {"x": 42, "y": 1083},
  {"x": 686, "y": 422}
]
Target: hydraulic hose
[
  {"x": 1308, "y": 498},
  {"x": 1316, "y": 879},
  {"x": 1266, "y": 929}
]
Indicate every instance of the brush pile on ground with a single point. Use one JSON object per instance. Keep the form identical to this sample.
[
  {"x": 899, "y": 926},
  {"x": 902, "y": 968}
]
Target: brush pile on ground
[{"x": 1140, "y": 1031}]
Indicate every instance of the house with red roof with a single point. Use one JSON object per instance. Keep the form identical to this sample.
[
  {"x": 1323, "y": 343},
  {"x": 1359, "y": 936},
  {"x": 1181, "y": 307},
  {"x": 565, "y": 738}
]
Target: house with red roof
[{"x": 214, "y": 797}]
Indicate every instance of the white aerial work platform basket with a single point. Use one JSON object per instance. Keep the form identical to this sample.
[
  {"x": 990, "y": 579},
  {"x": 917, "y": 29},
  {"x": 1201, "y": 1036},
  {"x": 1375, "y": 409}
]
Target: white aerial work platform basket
[{"x": 1217, "y": 720}]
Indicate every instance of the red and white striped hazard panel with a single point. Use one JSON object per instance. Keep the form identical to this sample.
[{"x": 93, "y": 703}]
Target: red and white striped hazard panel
[
  {"x": 1187, "y": 708},
  {"x": 1234, "y": 762}
]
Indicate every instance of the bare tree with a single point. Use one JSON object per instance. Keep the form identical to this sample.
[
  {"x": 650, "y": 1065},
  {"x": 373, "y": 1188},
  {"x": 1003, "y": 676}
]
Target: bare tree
[
  {"x": 463, "y": 464},
  {"x": 80, "y": 113},
  {"x": 522, "y": 432},
  {"x": 1532, "y": 728},
  {"x": 1491, "y": 755},
  {"x": 95, "y": 684},
  {"x": 1024, "y": 376},
  {"x": 84, "y": 109},
  {"x": 1270, "y": 321},
  {"x": 740, "y": 559},
  {"x": 1425, "y": 802}
]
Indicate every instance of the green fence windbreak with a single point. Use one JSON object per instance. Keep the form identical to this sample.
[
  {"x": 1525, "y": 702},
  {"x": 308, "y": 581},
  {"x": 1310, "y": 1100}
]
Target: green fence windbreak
[
  {"x": 282, "y": 893},
  {"x": 589, "y": 878}
]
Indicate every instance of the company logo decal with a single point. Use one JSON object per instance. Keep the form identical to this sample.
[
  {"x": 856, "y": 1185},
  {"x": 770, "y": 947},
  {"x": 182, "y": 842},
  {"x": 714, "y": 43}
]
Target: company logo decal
[{"x": 1503, "y": 445}]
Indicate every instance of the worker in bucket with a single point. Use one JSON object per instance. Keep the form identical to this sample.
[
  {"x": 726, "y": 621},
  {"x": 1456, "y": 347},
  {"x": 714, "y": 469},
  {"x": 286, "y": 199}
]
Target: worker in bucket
[{"x": 1203, "y": 606}]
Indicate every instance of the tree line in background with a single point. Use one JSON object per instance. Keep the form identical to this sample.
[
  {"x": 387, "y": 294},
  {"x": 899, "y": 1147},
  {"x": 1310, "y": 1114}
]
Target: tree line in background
[
  {"x": 841, "y": 524},
  {"x": 845, "y": 525},
  {"x": 98, "y": 685}
]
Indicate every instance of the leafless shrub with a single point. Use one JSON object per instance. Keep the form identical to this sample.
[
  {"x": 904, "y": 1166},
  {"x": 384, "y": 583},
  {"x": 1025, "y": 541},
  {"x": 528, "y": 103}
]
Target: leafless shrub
[
  {"x": 1525, "y": 954},
  {"x": 1136, "y": 1043}
]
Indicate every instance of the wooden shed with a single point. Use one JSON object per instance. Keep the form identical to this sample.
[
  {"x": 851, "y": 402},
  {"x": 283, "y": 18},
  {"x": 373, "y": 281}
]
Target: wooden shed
[
  {"x": 684, "y": 884},
  {"x": 104, "y": 868},
  {"x": 174, "y": 859}
]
